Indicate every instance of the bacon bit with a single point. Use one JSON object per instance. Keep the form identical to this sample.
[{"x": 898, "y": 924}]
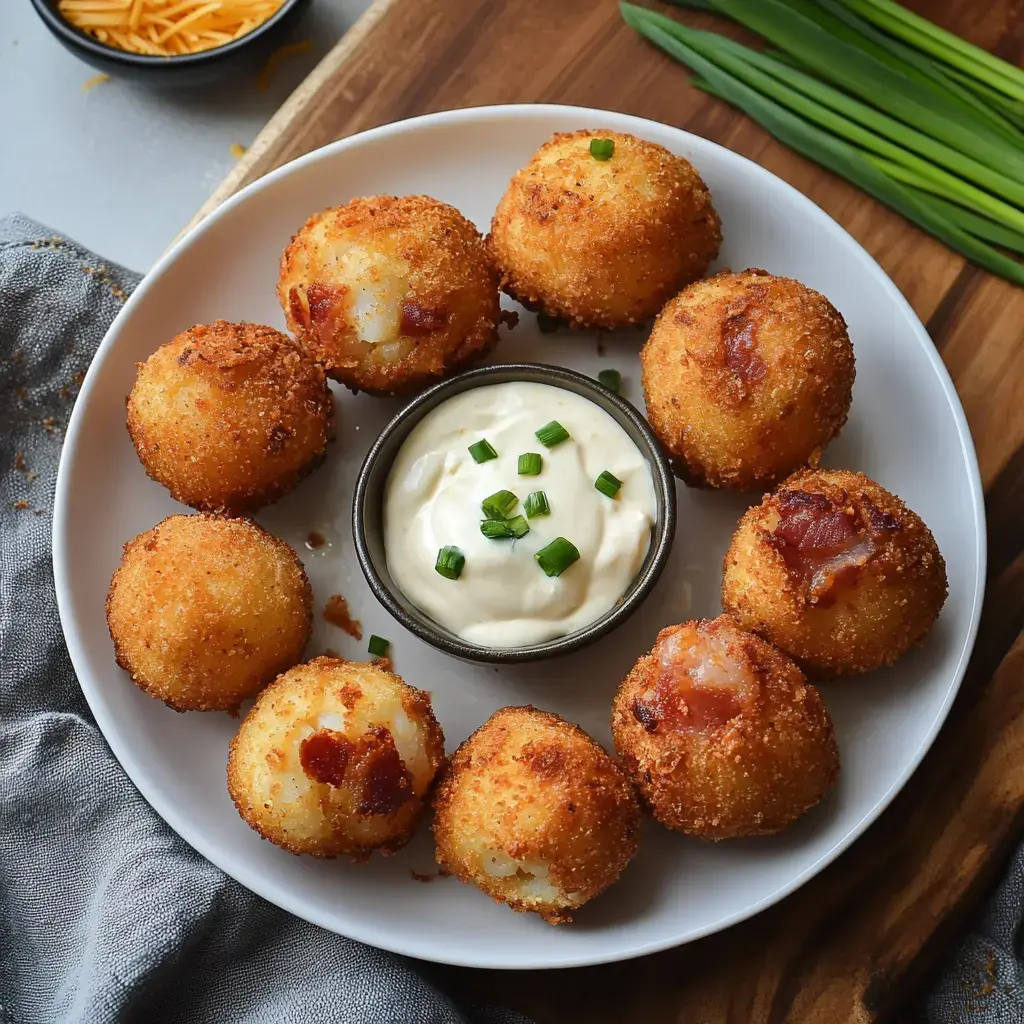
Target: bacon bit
[
  {"x": 823, "y": 542},
  {"x": 19, "y": 462},
  {"x": 22, "y": 394},
  {"x": 379, "y": 774},
  {"x": 739, "y": 340},
  {"x": 20, "y": 505},
  {"x": 50, "y": 424},
  {"x": 325, "y": 755},
  {"x": 510, "y": 318},
  {"x": 337, "y": 614},
  {"x": 646, "y": 714},
  {"x": 417, "y": 319},
  {"x": 315, "y": 540},
  {"x": 702, "y": 685},
  {"x": 881, "y": 522}
]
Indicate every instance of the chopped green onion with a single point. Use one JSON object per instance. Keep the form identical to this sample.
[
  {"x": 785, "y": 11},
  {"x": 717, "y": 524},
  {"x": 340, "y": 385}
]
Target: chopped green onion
[
  {"x": 536, "y": 504},
  {"x": 529, "y": 464},
  {"x": 870, "y": 172},
  {"x": 556, "y": 557},
  {"x": 501, "y": 529},
  {"x": 547, "y": 324},
  {"x": 482, "y": 451},
  {"x": 608, "y": 484},
  {"x": 499, "y": 504},
  {"x": 602, "y": 149},
  {"x": 450, "y": 562},
  {"x": 551, "y": 434},
  {"x": 611, "y": 379},
  {"x": 378, "y": 646}
]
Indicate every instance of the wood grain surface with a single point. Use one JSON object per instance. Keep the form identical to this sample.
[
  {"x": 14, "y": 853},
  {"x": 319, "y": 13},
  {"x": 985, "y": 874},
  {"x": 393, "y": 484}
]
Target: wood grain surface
[{"x": 853, "y": 943}]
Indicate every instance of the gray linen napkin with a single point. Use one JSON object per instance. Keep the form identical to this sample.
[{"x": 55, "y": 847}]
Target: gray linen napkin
[{"x": 105, "y": 914}]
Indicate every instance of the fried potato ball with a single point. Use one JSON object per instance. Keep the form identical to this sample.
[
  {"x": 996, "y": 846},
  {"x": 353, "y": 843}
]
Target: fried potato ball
[
  {"x": 746, "y": 378},
  {"x": 335, "y": 759},
  {"x": 722, "y": 734},
  {"x": 836, "y": 571},
  {"x": 204, "y": 611},
  {"x": 603, "y": 243},
  {"x": 533, "y": 811},
  {"x": 229, "y": 416},
  {"x": 389, "y": 293}
]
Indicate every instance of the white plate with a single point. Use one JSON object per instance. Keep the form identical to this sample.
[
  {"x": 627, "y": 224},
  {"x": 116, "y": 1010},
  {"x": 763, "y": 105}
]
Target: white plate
[{"x": 906, "y": 430}]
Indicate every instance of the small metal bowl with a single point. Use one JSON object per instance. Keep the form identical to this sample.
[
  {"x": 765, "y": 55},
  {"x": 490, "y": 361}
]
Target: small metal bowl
[
  {"x": 187, "y": 69},
  {"x": 368, "y": 505}
]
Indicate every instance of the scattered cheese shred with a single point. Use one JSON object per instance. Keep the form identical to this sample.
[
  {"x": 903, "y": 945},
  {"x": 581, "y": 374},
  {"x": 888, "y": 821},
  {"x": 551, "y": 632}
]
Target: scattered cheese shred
[
  {"x": 164, "y": 28},
  {"x": 280, "y": 54},
  {"x": 95, "y": 80},
  {"x": 237, "y": 150}
]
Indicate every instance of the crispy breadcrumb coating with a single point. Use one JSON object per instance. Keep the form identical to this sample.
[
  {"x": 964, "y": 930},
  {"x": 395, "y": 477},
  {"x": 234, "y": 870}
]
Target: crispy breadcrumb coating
[
  {"x": 535, "y": 813},
  {"x": 836, "y": 571},
  {"x": 204, "y": 611},
  {"x": 230, "y": 416},
  {"x": 746, "y": 378},
  {"x": 722, "y": 734},
  {"x": 336, "y": 759},
  {"x": 603, "y": 243},
  {"x": 390, "y": 293}
]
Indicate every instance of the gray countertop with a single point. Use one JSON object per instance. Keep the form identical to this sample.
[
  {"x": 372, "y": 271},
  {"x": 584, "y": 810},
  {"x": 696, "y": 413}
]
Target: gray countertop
[{"x": 117, "y": 166}]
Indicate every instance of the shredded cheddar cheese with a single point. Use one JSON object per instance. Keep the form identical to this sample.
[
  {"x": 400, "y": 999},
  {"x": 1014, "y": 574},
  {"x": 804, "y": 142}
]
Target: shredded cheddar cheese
[
  {"x": 166, "y": 28},
  {"x": 94, "y": 81},
  {"x": 280, "y": 54}
]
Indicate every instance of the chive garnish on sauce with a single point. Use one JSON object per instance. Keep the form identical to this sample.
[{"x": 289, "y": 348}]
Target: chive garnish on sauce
[
  {"x": 608, "y": 484},
  {"x": 499, "y": 505},
  {"x": 551, "y": 434},
  {"x": 530, "y": 464},
  {"x": 556, "y": 557},
  {"x": 482, "y": 451},
  {"x": 536, "y": 504},
  {"x": 502, "y": 529},
  {"x": 611, "y": 379},
  {"x": 450, "y": 562}
]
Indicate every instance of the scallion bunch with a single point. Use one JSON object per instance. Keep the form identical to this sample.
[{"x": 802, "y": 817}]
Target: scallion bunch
[{"x": 922, "y": 120}]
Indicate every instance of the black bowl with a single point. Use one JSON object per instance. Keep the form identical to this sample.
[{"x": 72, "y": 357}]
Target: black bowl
[
  {"x": 367, "y": 511},
  {"x": 189, "y": 69}
]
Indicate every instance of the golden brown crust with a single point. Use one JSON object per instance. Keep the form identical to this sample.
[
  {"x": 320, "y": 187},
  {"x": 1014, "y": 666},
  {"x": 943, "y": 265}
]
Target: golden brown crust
[
  {"x": 603, "y": 243},
  {"x": 542, "y": 800},
  {"x": 359, "y": 791},
  {"x": 889, "y": 604},
  {"x": 205, "y": 610},
  {"x": 748, "y": 765},
  {"x": 230, "y": 416},
  {"x": 746, "y": 378},
  {"x": 433, "y": 260}
]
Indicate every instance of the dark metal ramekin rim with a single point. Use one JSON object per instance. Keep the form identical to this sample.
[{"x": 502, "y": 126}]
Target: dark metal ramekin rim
[
  {"x": 663, "y": 531},
  {"x": 47, "y": 10}
]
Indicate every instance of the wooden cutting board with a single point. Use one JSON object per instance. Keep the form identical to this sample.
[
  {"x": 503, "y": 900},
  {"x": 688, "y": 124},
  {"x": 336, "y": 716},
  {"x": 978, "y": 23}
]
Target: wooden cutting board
[{"x": 852, "y": 944}]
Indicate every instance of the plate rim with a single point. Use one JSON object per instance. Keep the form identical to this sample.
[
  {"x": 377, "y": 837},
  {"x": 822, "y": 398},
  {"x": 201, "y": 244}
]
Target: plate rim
[{"x": 251, "y": 878}]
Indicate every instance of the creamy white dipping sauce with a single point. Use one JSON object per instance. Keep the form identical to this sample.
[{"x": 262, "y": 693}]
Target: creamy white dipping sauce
[{"x": 503, "y": 598}]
